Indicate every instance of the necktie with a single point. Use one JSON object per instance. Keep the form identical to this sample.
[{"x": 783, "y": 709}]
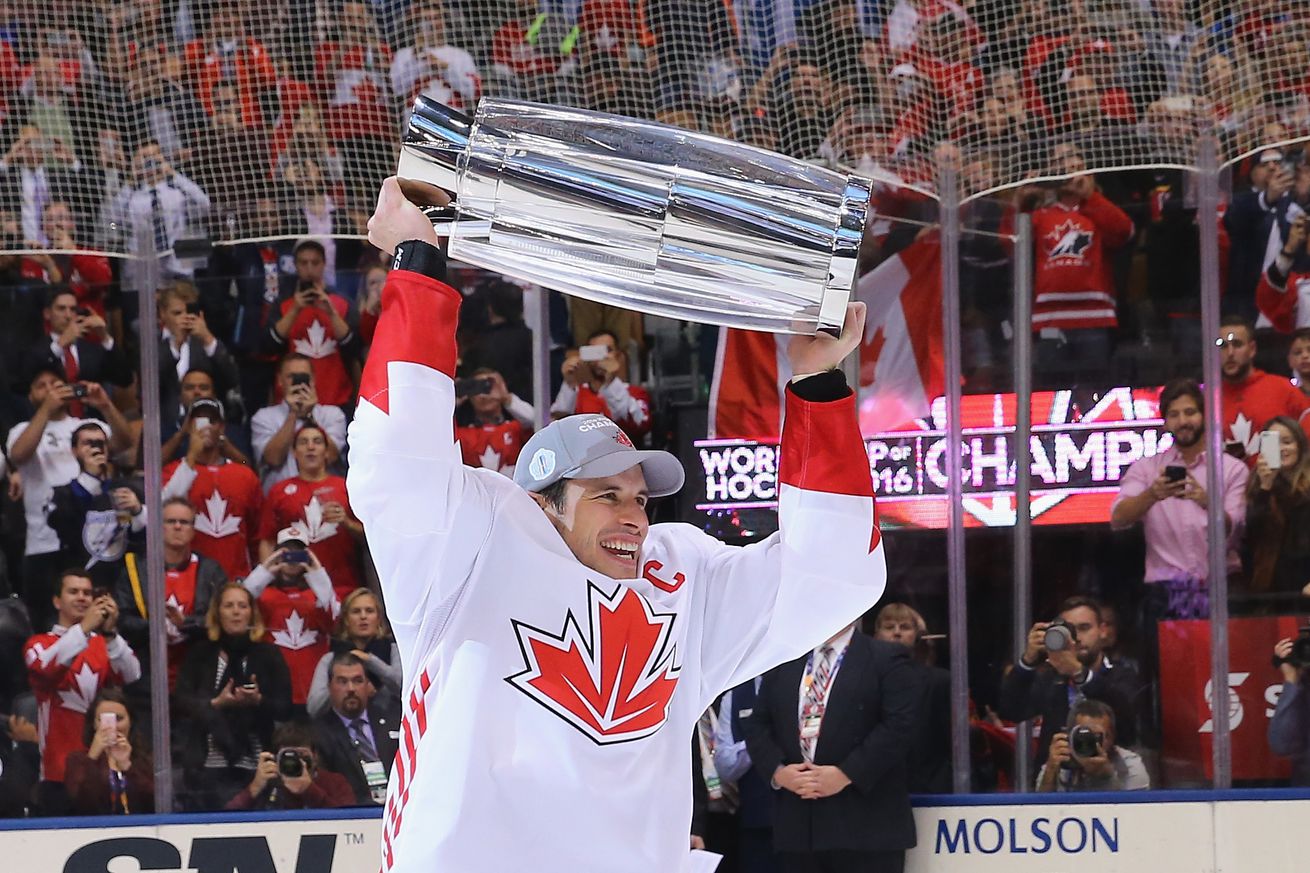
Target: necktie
[
  {"x": 362, "y": 741},
  {"x": 70, "y": 376},
  {"x": 812, "y": 710},
  {"x": 157, "y": 220}
]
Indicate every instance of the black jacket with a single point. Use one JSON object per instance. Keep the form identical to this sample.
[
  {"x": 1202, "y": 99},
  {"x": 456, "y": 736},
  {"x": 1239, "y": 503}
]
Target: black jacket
[
  {"x": 336, "y": 748},
  {"x": 221, "y": 368},
  {"x": 873, "y": 710},
  {"x": 1026, "y": 694},
  {"x": 231, "y": 727},
  {"x": 94, "y": 362}
]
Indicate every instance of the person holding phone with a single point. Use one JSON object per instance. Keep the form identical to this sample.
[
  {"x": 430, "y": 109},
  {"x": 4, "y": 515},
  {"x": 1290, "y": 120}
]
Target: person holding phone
[
  {"x": 273, "y": 428},
  {"x": 1278, "y": 515},
  {"x": 318, "y": 323},
  {"x": 115, "y": 774},
  {"x": 298, "y": 605},
  {"x": 187, "y": 343},
  {"x": 1167, "y": 493},
  {"x": 594, "y": 383},
  {"x": 78, "y": 342},
  {"x": 491, "y": 423}
]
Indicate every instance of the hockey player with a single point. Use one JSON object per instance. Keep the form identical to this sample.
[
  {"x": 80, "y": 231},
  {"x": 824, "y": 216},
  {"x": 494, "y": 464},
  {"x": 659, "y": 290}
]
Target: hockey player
[{"x": 558, "y": 649}]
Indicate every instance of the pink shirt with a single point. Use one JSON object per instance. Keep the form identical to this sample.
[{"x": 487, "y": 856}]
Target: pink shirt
[{"x": 1175, "y": 528}]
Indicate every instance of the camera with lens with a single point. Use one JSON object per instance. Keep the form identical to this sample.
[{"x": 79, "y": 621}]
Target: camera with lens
[
  {"x": 1060, "y": 635},
  {"x": 1300, "y": 654},
  {"x": 290, "y": 763},
  {"x": 79, "y": 390},
  {"x": 1083, "y": 743}
]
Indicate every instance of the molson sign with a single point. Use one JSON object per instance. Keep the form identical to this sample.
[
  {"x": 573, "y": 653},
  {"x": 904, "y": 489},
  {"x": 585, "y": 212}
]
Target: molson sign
[{"x": 1078, "y": 459}]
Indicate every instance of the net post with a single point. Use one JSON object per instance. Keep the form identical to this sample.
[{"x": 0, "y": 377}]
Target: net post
[
  {"x": 1217, "y": 542},
  {"x": 153, "y": 571},
  {"x": 949, "y": 205},
  {"x": 1023, "y": 520},
  {"x": 541, "y": 356}
]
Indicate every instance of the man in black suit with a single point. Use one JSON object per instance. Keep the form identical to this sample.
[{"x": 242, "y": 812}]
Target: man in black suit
[
  {"x": 831, "y": 732},
  {"x": 77, "y": 345},
  {"x": 1047, "y": 683},
  {"x": 186, "y": 343},
  {"x": 355, "y": 739}
]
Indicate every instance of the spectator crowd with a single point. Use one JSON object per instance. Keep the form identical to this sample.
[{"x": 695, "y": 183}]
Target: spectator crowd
[{"x": 230, "y": 151}]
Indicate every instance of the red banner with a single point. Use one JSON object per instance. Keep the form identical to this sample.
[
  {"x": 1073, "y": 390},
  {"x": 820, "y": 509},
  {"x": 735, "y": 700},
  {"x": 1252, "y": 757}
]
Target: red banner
[{"x": 1253, "y": 689}]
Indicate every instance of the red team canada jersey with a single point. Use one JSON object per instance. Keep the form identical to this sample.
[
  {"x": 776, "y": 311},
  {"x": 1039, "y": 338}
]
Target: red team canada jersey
[
  {"x": 179, "y": 592},
  {"x": 1249, "y": 404},
  {"x": 1072, "y": 276},
  {"x": 311, "y": 335},
  {"x": 298, "y": 502},
  {"x": 298, "y": 621},
  {"x": 635, "y": 424},
  {"x": 529, "y": 679},
  {"x": 66, "y": 670},
  {"x": 492, "y": 446},
  {"x": 226, "y": 498}
]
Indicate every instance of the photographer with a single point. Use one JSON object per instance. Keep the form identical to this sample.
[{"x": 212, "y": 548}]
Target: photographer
[
  {"x": 41, "y": 450},
  {"x": 273, "y": 428},
  {"x": 77, "y": 342},
  {"x": 1289, "y": 728},
  {"x": 593, "y": 384},
  {"x": 291, "y": 778},
  {"x": 1278, "y": 516},
  {"x": 114, "y": 775},
  {"x": 299, "y": 607},
  {"x": 1084, "y": 757},
  {"x": 491, "y": 424},
  {"x": 186, "y": 343},
  {"x": 1047, "y": 679},
  {"x": 317, "y": 322},
  {"x": 95, "y": 516}
]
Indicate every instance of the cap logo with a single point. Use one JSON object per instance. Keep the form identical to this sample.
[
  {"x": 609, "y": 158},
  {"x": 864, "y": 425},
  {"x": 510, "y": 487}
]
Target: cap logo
[
  {"x": 542, "y": 464},
  {"x": 622, "y": 439}
]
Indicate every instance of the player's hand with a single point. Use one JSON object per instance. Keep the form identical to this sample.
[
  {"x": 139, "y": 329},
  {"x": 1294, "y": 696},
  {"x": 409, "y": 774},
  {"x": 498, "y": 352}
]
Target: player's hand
[
  {"x": 814, "y": 354},
  {"x": 396, "y": 219}
]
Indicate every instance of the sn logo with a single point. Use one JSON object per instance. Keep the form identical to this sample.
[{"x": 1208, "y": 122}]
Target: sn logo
[{"x": 208, "y": 855}]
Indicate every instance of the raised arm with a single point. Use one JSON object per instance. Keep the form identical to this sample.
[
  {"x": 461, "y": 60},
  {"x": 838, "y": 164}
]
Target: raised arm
[
  {"x": 772, "y": 601},
  {"x": 406, "y": 482}
]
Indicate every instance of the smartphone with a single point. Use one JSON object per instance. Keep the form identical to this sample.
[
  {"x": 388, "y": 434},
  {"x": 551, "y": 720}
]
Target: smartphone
[
  {"x": 109, "y": 720},
  {"x": 472, "y": 387},
  {"x": 200, "y": 422},
  {"x": 594, "y": 353},
  {"x": 1175, "y": 473},
  {"x": 1271, "y": 449},
  {"x": 296, "y": 556},
  {"x": 83, "y": 311},
  {"x": 193, "y": 309},
  {"x": 300, "y": 378}
]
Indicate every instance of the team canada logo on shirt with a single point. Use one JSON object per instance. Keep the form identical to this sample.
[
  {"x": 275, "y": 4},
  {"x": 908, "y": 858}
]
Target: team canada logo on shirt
[
  {"x": 315, "y": 529},
  {"x": 1071, "y": 241},
  {"x": 86, "y": 684},
  {"x": 612, "y": 681},
  {"x": 317, "y": 344},
  {"x": 296, "y": 636},
  {"x": 214, "y": 521}
]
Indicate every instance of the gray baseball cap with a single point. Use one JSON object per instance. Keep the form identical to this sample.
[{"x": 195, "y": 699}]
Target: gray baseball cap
[{"x": 591, "y": 447}]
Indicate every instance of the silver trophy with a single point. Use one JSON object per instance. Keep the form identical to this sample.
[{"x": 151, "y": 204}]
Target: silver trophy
[{"x": 640, "y": 215}]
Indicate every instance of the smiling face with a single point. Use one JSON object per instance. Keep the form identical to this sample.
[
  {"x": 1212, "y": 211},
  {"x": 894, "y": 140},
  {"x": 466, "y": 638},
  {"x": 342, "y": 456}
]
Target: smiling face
[
  {"x": 604, "y": 522},
  {"x": 74, "y": 599},
  {"x": 1185, "y": 421},
  {"x": 1289, "y": 450}
]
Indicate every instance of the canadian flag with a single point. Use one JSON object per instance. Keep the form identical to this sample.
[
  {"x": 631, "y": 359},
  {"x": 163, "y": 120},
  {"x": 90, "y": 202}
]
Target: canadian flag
[{"x": 901, "y": 357}]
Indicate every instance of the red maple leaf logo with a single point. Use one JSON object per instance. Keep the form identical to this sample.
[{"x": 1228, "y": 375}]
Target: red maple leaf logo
[{"x": 614, "y": 682}]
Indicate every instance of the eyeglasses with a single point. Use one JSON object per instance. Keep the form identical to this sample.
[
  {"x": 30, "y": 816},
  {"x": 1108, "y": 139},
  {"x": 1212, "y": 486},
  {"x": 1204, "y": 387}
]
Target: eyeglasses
[{"x": 180, "y": 522}]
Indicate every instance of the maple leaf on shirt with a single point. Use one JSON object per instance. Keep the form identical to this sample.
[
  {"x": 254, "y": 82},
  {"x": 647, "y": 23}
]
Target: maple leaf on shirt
[
  {"x": 1241, "y": 429},
  {"x": 317, "y": 343},
  {"x": 170, "y": 629},
  {"x": 215, "y": 521},
  {"x": 490, "y": 459},
  {"x": 315, "y": 529},
  {"x": 86, "y": 686},
  {"x": 614, "y": 684},
  {"x": 295, "y": 636}
]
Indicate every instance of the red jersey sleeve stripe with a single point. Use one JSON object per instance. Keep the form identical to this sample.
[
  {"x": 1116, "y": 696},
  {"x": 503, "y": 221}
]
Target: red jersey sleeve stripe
[
  {"x": 417, "y": 325},
  {"x": 822, "y": 449}
]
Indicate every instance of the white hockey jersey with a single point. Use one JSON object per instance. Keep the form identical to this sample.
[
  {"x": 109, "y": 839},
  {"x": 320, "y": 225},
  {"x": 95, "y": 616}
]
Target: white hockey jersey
[{"x": 549, "y": 709}]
